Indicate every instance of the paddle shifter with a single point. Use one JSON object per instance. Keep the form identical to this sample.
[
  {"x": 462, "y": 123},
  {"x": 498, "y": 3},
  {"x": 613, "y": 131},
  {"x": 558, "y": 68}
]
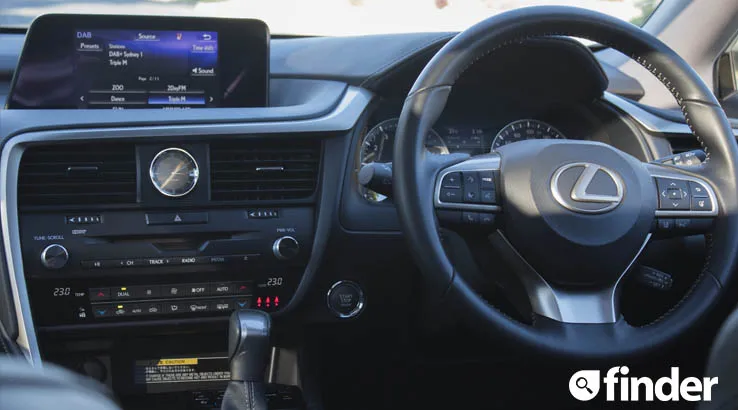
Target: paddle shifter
[{"x": 248, "y": 350}]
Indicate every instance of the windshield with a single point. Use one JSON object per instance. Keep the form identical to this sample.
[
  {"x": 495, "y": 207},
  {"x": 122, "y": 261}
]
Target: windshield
[{"x": 323, "y": 17}]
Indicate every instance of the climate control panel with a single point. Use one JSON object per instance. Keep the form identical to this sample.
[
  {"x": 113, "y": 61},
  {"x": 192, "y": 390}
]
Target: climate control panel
[{"x": 146, "y": 265}]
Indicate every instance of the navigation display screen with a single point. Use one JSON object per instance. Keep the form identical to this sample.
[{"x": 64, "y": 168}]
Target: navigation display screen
[
  {"x": 121, "y": 69},
  {"x": 74, "y": 61}
]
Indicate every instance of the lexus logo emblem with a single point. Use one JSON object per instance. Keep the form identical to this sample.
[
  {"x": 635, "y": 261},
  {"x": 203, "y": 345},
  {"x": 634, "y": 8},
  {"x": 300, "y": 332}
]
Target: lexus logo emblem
[{"x": 587, "y": 188}]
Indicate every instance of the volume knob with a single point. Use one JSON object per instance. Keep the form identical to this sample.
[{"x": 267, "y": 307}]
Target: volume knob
[
  {"x": 286, "y": 247},
  {"x": 54, "y": 256}
]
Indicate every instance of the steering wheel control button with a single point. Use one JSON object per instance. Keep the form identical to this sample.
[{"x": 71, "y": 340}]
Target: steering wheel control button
[
  {"x": 345, "y": 299},
  {"x": 451, "y": 195},
  {"x": 54, "y": 256},
  {"x": 487, "y": 180},
  {"x": 486, "y": 219},
  {"x": 286, "y": 248},
  {"x": 470, "y": 218},
  {"x": 451, "y": 180},
  {"x": 665, "y": 224},
  {"x": 701, "y": 204},
  {"x": 489, "y": 196},
  {"x": 673, "y": 194},
  {"x": 697, "y": 189},
  {"x": 471, "y": 187}
]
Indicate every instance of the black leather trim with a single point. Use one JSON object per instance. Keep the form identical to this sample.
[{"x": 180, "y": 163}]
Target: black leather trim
[{"x": 700, "y": 108}]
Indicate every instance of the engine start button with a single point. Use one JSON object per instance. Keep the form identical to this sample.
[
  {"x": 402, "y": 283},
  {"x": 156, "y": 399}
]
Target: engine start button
[{"x": 345, "y": 299}]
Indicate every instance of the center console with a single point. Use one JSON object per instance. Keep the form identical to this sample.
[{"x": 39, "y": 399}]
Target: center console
[{"x": 124, "y": 232}]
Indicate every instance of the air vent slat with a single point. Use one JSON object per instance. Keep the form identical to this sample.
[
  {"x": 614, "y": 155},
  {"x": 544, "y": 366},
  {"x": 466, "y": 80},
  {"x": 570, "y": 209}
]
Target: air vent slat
[
  {"x": 83, "y": 174},
  {"x": 264, "y": 170}
]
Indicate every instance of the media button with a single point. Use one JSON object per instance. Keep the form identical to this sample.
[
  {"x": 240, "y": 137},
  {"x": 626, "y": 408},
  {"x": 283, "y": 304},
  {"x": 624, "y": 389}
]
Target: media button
[
  {"x": 222, "y": 305},
  {"x": 223, "y": 288},
  {"x": 173, "y": 291},
  {"x": 122, "y": 292},
  {"x": 214, "y": 260},
  {"x": 198, "y": 289},
  {"x": 144, "y": 292},
  {"x": 196, "y": 306},
  {"x": 99, "y": 294},
  {"x": 154, "y": 262}
]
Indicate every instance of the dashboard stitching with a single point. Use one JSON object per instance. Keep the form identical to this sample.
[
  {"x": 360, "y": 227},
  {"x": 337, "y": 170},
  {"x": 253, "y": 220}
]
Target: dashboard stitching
[
  {"x": 406, "y": 55},
  {"x": 673, "y": 90}
]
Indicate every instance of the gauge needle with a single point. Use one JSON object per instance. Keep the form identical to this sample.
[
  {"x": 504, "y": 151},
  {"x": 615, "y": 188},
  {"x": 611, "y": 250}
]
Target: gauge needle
[{"x": 172, "y": 174}]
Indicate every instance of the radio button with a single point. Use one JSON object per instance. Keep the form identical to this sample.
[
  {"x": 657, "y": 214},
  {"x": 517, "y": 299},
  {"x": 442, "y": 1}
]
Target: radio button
[
  {"x": 122, "y": 292},
  {"x": 198, "y": 289},
  {"x": 173, "y": 290},
  {"x": 186, "y": 260},
  {"x": 99, "y": 294},
  {"x": 143, "y": 292},
  {"x": 223, "y": 288}
]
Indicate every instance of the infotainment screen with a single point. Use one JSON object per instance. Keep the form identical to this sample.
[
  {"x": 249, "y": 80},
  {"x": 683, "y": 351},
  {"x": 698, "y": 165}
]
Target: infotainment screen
[
  {"x": 125, "y": 62},
  {"x": 138, "y": 68}
]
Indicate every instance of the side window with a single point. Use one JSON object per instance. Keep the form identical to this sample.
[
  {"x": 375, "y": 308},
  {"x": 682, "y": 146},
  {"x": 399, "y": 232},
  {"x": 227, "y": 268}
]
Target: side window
[{"x": 727, "y": 80}]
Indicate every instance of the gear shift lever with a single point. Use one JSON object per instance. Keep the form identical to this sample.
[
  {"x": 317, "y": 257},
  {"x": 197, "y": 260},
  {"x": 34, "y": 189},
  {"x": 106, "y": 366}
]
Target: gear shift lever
[{"x": 248, "y": 351}]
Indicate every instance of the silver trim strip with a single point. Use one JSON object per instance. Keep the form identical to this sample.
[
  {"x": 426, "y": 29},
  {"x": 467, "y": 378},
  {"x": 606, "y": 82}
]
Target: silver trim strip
[
  {"x": 342, "y": 118},
  {"x": 569, "y": 306},
  {"x": 486, "y": 162},
  {"x": 647, "y": 120}
]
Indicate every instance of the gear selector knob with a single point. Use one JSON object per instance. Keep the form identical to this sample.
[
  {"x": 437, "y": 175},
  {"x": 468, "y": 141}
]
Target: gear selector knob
[{"x": 248, "y": 345}]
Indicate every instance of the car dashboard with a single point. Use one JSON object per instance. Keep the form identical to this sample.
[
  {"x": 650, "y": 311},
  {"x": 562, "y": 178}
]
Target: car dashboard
[{"x": 111, "y": 265}]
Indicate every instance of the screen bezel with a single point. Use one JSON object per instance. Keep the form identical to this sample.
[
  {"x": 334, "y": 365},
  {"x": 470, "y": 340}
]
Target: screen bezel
[{"x": 243, "y": 44}]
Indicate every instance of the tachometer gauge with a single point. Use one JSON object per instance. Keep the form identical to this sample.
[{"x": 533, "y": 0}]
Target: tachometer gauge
[
  {"x": 174, "y": 172},
  {"x": 378, "y": 144},
  {"x": 525, "y": 130}
]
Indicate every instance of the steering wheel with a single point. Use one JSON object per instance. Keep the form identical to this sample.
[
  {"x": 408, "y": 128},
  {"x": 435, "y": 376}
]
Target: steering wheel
[{"x": 573, "y": 215}]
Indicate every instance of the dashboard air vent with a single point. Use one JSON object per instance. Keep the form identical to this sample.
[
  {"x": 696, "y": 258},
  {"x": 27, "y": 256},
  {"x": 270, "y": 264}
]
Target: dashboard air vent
[
  {"x": 79, "y": 174},
  {"x": 264, "y": 170}
]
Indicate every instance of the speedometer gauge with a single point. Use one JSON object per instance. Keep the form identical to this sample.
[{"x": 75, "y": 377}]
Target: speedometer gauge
[
  {"x": 378, "y": 145},
  {"x": 525, "y": 130}
]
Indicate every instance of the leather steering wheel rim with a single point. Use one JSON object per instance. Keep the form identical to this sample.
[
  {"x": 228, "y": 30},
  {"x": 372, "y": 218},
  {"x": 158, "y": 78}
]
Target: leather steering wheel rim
[{"x": 415, "y": 173}]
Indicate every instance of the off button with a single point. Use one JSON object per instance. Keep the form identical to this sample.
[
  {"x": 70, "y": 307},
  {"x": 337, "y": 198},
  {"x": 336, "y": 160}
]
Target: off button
[{"x": 345, "y": 299}]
